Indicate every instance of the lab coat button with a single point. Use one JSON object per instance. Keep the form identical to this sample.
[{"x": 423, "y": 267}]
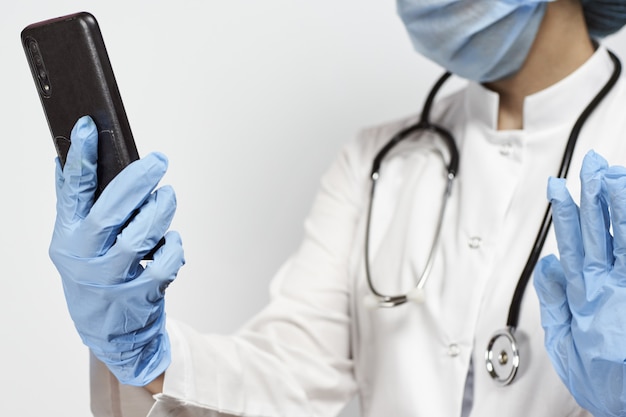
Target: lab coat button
[
  {"x": 474, "y": 242},
  {"x": 506, "y": 149},
  {"x": 454, "y": 350}
]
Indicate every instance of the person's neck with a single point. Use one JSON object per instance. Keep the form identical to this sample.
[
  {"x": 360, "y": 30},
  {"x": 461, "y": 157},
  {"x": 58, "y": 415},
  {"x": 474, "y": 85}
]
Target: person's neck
[{"x": 562, "y": 45}]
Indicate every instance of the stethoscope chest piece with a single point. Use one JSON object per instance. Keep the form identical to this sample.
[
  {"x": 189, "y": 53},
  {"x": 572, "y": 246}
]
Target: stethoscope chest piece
[{"x": 502, "y": 357}]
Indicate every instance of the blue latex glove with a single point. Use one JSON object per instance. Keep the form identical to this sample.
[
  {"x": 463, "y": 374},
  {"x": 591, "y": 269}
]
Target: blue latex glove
[
  {"x": 583, "y": 296},
  {"x": 116, "y": 303}
]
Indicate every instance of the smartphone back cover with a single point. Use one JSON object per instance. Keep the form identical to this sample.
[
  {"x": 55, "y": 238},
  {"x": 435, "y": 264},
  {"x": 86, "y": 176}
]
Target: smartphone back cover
[{"x": 74, "y": 78}]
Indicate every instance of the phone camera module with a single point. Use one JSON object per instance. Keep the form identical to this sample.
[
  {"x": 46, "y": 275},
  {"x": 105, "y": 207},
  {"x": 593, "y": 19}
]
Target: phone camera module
[{"x": 39, "y": 67}]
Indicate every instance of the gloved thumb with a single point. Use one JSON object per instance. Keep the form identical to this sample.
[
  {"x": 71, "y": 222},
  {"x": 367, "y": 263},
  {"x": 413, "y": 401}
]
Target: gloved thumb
[{"x": 76, "y": 183}]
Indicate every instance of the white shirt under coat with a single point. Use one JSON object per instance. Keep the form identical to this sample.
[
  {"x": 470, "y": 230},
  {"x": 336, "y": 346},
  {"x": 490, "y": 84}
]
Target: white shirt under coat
[{"x": 316, "y": 345}]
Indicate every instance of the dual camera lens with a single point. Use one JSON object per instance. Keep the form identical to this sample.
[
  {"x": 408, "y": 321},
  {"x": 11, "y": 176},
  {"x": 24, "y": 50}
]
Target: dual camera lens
[{"x": 38, "y": 67}]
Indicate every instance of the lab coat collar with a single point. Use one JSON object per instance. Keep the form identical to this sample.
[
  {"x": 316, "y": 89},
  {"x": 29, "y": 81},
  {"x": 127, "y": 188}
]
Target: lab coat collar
[{"x": 560, "y": 103}]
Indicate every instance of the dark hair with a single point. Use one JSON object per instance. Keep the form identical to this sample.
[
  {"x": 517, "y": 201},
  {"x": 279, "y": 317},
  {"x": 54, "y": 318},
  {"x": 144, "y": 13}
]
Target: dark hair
[{"x": 604, "y": 17}]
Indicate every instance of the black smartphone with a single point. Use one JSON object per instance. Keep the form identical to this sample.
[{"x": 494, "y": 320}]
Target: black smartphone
[{"x": 73, "y": 76}]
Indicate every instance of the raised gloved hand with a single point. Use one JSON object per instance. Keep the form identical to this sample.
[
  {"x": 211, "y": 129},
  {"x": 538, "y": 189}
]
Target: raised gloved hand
[
  {"x": 116, "y": 303},
  {"x": 583, "y": 296}
]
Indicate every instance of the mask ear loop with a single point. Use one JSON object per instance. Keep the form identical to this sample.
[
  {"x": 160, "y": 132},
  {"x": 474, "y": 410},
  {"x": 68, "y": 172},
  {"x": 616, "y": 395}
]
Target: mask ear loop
[{"x": 376, "y": 299}]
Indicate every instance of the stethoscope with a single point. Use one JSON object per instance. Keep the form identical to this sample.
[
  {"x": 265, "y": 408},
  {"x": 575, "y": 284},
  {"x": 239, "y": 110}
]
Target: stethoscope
[{"x": 502, "y": 357}]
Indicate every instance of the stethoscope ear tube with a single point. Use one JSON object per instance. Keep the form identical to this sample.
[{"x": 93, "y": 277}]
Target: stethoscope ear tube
[{"x": 416, "y": 294}]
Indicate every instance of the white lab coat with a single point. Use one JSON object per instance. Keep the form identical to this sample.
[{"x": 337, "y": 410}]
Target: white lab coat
[{"x": 316, "y": 345}]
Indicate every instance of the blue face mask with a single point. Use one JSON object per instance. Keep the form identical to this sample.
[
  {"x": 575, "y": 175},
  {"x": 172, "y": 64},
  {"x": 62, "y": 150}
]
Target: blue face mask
[{"x": 481, "y": 40}]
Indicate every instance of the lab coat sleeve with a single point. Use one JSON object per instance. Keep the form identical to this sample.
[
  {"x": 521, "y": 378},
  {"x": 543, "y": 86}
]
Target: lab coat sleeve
[{"x": 294, "y": 357}]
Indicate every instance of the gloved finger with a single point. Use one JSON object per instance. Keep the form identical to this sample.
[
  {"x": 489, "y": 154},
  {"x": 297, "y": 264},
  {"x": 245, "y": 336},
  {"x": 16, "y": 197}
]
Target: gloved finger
[
  {"x": 118, "y": 202},
  {"x": 615, "y": 180},
  {"x": 566, "y": 220},
  {"x": 550, "y": 283},
  {"x": 148, "y": 226},
  {"x": 155, "y": 277},
  {"x": 168, "y": 259},
  {"x": 594, "y": 222},
  {"x": 77, "y": 182},
  {"x": 556, "y": 318}
]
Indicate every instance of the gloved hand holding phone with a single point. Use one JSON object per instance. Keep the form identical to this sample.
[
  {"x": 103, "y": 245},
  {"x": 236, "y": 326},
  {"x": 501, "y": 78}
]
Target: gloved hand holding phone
[
  {"x": 116, "y": 301},
  {"x": 583, "y": 295}
]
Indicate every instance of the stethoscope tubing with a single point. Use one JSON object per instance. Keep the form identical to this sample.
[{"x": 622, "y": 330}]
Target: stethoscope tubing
[
  {"x": 423, "y": 124},
  {"x": 516, "y": 302}
]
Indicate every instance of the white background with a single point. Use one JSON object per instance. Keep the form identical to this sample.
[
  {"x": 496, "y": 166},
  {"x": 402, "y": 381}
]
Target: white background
[{"x": 250, "y": 100}]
